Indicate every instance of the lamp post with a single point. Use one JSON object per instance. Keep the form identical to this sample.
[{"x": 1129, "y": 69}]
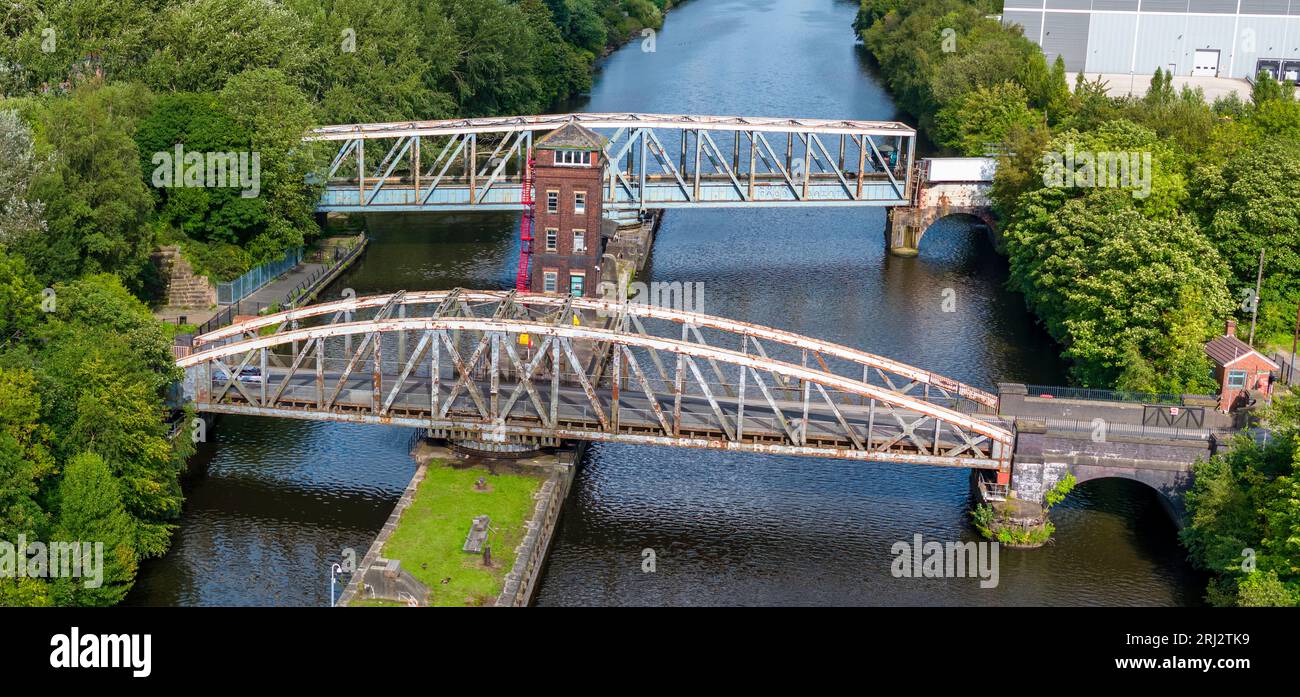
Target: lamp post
[
  {"x": 1254, "y": 310},
  {"x": 335, "y": 569}
]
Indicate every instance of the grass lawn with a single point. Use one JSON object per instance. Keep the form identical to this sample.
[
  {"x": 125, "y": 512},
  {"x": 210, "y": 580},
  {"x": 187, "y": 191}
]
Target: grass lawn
[{"x": 431, "y": 532}]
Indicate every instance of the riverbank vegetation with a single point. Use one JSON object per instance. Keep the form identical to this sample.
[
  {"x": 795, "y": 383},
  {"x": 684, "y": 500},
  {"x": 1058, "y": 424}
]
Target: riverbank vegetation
[
  {"x": 1244, "y": 524},
  {"x": 144, "y": 76},
  {"x": 1131, "y": 277},
  {"x": 85, "y": 454},
  {"x": 92, "y": 96},
  {"x": 1015, "y": 524}
]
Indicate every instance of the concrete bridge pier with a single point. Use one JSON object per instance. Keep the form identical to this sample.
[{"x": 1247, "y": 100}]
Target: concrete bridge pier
[
  {"x": 1092, "y": 437},
  {"x": 941, "y": 187},
  {"x": 907, "y": 224}
]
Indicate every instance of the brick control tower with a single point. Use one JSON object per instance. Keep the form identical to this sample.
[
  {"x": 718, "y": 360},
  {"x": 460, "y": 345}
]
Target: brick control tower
[{"x": 570, "y": 170}]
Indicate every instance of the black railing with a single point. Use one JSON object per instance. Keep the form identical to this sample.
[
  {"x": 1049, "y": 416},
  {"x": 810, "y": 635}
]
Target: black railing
[
  {"x": 1102, "y": 429},
  {"x": 341, "y": 257},
  {"x": 1104, "y": 395}
]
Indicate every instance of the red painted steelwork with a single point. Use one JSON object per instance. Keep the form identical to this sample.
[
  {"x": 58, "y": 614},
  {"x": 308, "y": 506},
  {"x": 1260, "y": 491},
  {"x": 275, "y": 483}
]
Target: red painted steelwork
[{"x": 522, "y": 280}]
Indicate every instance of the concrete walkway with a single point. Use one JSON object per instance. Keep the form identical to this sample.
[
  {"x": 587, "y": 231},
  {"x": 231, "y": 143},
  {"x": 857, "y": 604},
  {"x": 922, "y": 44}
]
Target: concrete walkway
[
  {"x": 1121, "y": 84},
  {"x": 277, "y": 291}
]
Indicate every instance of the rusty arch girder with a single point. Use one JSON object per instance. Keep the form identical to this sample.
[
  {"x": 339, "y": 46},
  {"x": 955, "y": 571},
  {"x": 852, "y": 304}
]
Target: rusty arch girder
[
  {"x": 604, "y": 389},
  {"x": 885, "y": 367}
]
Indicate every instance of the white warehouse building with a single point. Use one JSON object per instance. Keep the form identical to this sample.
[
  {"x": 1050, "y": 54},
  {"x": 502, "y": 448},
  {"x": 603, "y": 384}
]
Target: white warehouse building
[{"x": 1223, "y": 38}]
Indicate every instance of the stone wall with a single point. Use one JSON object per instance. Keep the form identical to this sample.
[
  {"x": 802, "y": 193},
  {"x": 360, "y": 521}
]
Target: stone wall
[
  {"x": 371, "y": 561},
  {"x": 530, "y": 556},
  {"x": 1042, "y": 459},
  {"x": 185, "y": 289}
]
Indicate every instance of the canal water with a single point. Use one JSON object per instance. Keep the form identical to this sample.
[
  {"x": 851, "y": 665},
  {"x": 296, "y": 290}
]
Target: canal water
[{"x": 276, "y": 501}]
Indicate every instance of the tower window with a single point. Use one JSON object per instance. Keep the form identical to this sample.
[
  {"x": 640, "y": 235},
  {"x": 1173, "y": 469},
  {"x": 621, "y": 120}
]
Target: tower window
[{"x": 573, "y": 158}]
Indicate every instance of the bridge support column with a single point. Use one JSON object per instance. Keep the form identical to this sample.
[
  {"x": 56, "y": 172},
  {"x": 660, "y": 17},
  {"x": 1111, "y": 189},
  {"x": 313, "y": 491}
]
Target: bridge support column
[
  {"x": 1016, "y": 515},
  {"x": 905, "y": 225}
]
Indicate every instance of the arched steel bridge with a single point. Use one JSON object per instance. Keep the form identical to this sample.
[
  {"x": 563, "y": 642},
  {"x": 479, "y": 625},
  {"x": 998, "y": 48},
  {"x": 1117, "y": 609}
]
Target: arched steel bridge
[
  {"x": 502, "y": 366},
  {"x": 655, "y": 161}
]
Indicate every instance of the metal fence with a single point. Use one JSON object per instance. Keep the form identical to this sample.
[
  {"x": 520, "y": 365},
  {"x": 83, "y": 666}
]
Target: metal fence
[
  {"x": 240, "y": 288},
  {"x": 340, "y": 256},
  {"x": 335, "y": 257},
  {"x": 1132, "y": 430},
  {"x": 1287, "y": 372},
  {"x": 1104, "y": 395}
]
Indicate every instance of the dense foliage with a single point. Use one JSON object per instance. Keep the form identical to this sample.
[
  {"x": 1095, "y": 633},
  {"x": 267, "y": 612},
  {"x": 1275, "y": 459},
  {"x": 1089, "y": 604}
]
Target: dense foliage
[
  {"x": 1245, "y": 516},
  {"x": 94, "y": 98},
  {"x": 1131, "y": 277},
  {"x": 147, "y": 75},
  {"x": 84, "y": 452}
]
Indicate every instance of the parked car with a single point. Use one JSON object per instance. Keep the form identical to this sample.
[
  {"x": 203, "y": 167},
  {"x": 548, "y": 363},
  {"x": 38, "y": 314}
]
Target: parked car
[{"x": 248, "y": 374}]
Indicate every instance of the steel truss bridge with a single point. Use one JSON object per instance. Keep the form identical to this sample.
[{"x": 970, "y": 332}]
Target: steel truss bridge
[
  {"x": 508, "y": 367},
  {"x": 655, "y": 161}
]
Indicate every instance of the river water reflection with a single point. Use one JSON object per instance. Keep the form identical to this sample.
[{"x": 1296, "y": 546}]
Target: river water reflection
[{"x": 280, "y": 499}]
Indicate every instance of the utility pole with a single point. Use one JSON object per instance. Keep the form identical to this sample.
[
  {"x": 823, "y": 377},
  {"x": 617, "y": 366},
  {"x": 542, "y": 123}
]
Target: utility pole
[
  {"x": 1290, "y": 374},
  {"x": 1254, "y": 310}
]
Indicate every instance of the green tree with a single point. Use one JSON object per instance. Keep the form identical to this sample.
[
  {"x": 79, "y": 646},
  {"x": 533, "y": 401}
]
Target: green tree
[
  {"x": 494, "y": 71},
  {"x": 199, "y": 123},
  {"x": 1268, "y": 89},
  {"x": 96, "y": 202},
  {"x": 985, "y": 117},
  {"x": 194, "y": 44},
  {"x": 25, "y": 461},
  {"x": 274, "y": 113},
  {"x": 20, "y": 300},
  {"x": 91, "y": 510},
  {"x": 1244, "y": 515},
  {"x": 372, "y": 64},
  {"x": 50, "y": 45},
  {"x": 1019, "y": 166},
  {"x": 1161, "y": 91},
  {"x": 1251, "y": 202},
  {"x": 21, "y": 215},
  {"x": 103, "y": 368},
  {"x": 565, "y": 69},
  {"x": 1107, "y": 281}
]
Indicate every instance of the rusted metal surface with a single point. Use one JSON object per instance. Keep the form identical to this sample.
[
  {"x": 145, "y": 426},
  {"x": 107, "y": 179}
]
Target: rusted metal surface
[
  {"x": 480, "y": 431},
  {"x": 545, "y": 367},
  {"x": 526, "y": 303}
]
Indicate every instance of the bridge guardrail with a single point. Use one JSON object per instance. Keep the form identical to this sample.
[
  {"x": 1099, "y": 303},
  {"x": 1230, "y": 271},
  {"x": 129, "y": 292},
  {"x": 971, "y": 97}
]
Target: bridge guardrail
[
  {"x": 1133, "y": 430},
  {"x": 1104, "y": 395}
]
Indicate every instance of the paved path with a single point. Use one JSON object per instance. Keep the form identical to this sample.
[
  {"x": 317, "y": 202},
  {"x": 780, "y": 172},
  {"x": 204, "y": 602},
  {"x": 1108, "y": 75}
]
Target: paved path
[{"x": 277, "y": 290}]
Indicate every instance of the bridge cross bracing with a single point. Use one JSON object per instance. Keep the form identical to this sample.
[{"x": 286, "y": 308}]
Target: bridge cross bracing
[
  {"x": 533, "y": 368},
  {"x": 653, "y": 161}
]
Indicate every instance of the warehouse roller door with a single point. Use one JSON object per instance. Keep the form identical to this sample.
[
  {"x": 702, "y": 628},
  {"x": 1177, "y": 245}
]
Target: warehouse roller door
[{"x": 1206, "y": 62}]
